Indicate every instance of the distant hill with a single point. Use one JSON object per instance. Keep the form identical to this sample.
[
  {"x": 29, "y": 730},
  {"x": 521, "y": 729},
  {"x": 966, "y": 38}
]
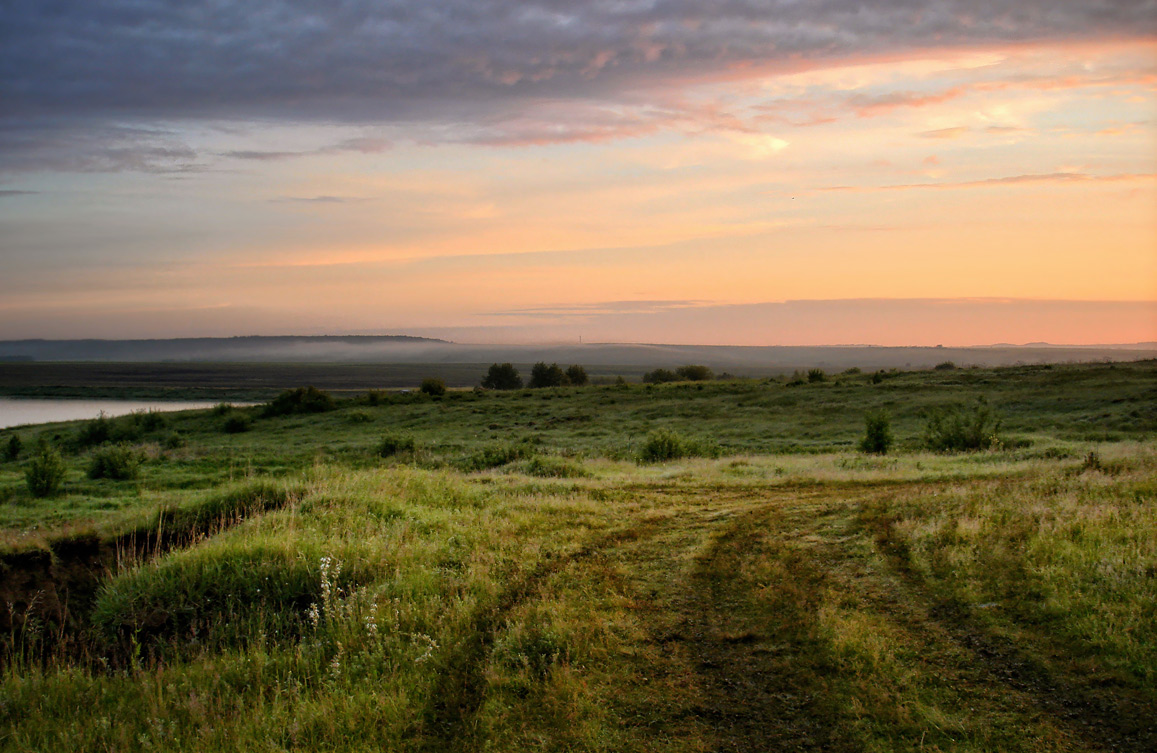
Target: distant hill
[{"x": 629, "y": 358}]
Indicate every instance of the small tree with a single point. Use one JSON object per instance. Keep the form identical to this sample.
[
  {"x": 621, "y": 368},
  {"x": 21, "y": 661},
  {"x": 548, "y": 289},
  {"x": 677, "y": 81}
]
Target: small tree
[
  {"x": 877, "y": 433},
  {"x": 502, "y": 376},
  {"x": 659, "y": 376},
  {"x": 956, "y": 428},
  {"x": 12, "y": 447},
  {"x": 45, "y": 472},
  {"x": 577, "y": 375},
  {"x": 433, "y": 386},
  {"x": 117, "y": 462},
  {"x": 547, "y": 376},
  {"x": 693, "y": 373}
]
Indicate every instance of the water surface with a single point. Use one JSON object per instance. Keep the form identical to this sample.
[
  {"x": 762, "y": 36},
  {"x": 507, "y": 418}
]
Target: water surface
[{"x": 18, "y": 411}]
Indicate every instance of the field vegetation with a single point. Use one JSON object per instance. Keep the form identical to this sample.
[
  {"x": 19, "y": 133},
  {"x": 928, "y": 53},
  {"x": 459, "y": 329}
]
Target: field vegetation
[{"x": 743, "y": 565}]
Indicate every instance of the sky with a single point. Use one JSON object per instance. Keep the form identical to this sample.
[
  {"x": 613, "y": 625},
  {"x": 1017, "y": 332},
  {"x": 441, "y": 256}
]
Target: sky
[{"x": 740, "y": 172}]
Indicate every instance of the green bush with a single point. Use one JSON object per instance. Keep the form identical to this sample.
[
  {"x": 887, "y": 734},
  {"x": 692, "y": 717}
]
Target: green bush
[
  {"x": 665, "y": 444},
  {"x": 116, "y": 462},
  {"x": 547, "y": 376},
  {"x": 577, "y": 375},
  {"x": 693, "y": 373},
  {"x": 45, "y": 472},
  {"x": 395, "y": 444},
  {"x": 502, "y": 376},
  {"x": 433, "y": 386},
  {"x": 659, "y": 376},
  {"x": 173, "y": 441},
  {"x": 877, "y": 433},
  {"x": 95, "y": 432},
  {"x": 12, "y": 447},
  {"x": 549, "y": 466},
  {"x": 945, "y": 366},
  {"x": 236, "y": 423},
  {"x": 495, "y": 456},
  {"x": 300, "y": 400},
  {"x": 959, "y": 428},
  {"x": 816, "y": 375}
]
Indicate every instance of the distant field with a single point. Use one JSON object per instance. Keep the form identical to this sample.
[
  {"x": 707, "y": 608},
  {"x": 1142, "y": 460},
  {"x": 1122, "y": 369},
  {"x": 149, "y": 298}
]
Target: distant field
[
  {"x": 240, "y": 381},
  {"x": 501, "y": 571}
]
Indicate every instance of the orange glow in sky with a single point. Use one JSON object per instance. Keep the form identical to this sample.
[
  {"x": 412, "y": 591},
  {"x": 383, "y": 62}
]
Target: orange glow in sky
[{"x": 967, "y": 195}]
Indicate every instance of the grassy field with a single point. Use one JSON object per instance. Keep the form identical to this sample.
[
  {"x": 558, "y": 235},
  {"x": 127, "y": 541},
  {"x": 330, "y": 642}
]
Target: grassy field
[{"x": 509, "y": 576}]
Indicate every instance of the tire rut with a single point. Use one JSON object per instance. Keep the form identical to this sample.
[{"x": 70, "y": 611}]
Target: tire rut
[
  {"x": 759, "y": 698},
  {"x": 448, "y": 720},
  {"x": 1103, "y": 719}
]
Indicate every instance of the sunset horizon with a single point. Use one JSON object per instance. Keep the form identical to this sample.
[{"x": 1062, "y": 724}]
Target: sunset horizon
[{"x": 749, "y": 174}]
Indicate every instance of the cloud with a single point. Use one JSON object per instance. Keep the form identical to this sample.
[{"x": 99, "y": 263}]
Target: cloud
[
  {"x": 945, "y": 133},
  {"x": 395, "y": 60},
  {"x": 317, "y": 200},
  {"x": 603, "y": 308},
  {"x": 16, "y": 192},
  {"x": 1060, "y": 178}
]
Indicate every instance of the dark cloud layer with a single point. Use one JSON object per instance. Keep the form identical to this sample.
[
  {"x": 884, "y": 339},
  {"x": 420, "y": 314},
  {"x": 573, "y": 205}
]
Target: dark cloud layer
[{"x": 388, "y": 60}]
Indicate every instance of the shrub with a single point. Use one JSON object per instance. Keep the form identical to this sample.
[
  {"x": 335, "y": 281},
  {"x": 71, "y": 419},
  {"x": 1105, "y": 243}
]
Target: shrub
[
  {"x": 496, "y": 455},
  {"x": 816, "y": 375},
  {"x": 959, "y": 428},
  {"x": 796, "y": 380},
  {"x": 553, "y": 467},
  {"x": 222, "y": 409},
  {"x": 12, "y": 447},
  {"x": 173, "y": 441},
  {"x": 577, "y": 375},
  {"x": 945, "y": 366},
  {"x": 877, "y": 377},
  {"x": 547, "y": 376},
  {"x": 877, "y": 433},
  {"x": 375, "y": 397},
  {"x": 94, "y": 432},
  {"x": 502, "y": 376},
  {"x": 117, "y": 462},
  {"x": 151, "y": 420},
  {"x": 659, "y": 376},
  {"x": 394, "y": 444},
  {"x": 665, "y": 444},
  {"x": 300, "y": 400},
  {"x": 237, "y": 423},
  {"x": 693, "y": 373},
  {"x": 433, "y": 387},
  {"x": 45, "y": 472}
]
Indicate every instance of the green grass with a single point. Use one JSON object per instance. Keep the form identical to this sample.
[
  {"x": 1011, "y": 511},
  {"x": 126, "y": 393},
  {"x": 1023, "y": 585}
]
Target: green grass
[{"x": 519, "y": 582}]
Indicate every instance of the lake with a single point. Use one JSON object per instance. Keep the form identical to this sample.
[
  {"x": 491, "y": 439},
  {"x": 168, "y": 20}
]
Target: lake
[{"x": 15, "y": 411}]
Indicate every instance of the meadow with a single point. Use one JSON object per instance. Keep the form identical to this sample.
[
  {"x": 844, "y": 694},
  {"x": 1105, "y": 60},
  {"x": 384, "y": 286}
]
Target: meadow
[{"x": 518, "y": 571}]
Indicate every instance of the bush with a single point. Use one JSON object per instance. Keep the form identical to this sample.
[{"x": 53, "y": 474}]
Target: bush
[
  {"x": 150, "y": 420},
  {"x": 547, "y": 376},
  {"x": 692, "y": 373},
  {"x": 959, "y": 428},
  {"x": 222, "y": 409},
  {"x": 797, "y": 379},
  {"x": 659, "y": 376},
  {"x": 433, "y": 387},
  {"x": 577, "y": 375},
  {"x": 665, "y": 444},
  {"x": 117, "y": 462},
  {"x": 300, "y": 400},
  {"x": 495, "y": 456},
  {"x": 394, "y": 444},
  {"x": 173, "y": 441},
  {"x": 45, "y": 472},
  {"x": 236, "y": 424},
  {"x": 945, "y": 366},
  {"x": 553, "y": 467},
  {"x": 95, "y": 432},
  {"x": 877, "y": 433},
  {"x": 502, "y": 376},
  {"x": 12, "y": 447},
  {"x": 816, "y": 375}
]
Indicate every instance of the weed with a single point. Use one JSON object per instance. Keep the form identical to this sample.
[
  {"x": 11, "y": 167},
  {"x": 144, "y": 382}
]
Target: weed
[
  {"x": 44, "y": 474},
  {"x": 959, "y": 428},
  {"x": 877, "y": 433},
  {"x": 395, "y": 444},
  {"x": 117, "y": 462}
]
